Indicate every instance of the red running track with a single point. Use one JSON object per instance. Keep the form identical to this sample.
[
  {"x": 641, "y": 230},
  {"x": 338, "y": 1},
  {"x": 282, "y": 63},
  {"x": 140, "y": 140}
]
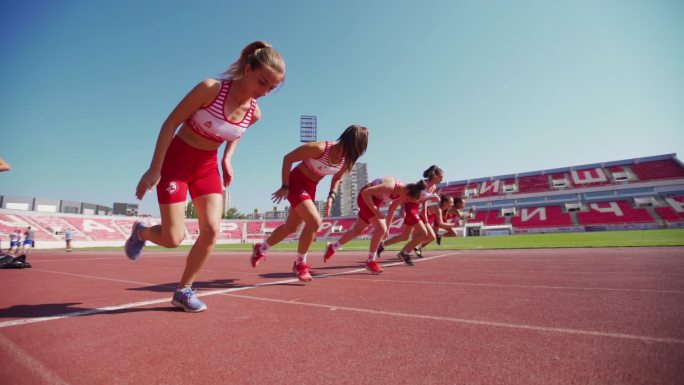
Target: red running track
[{"x": 565, "y": 316}]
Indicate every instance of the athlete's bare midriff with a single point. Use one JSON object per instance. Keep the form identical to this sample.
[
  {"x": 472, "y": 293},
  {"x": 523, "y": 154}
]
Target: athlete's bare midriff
[{"x": 194, "y": 140}]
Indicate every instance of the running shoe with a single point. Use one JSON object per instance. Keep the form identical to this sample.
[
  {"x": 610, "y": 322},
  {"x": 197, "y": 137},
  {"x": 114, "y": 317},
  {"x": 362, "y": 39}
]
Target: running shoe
[
  {"x": 257, "y": 255},
  {"x": 405, "y": 257},
  {"x": 301, "y": 270},
  {"x": 329, "y": 251},
  {"x": 439, "y": 240},
  {"x": 373, "y": 267},
  {"x": 134, "y": 244},
  {"x": 419, "y": 252},
  {"x": 188, "y": 301}
]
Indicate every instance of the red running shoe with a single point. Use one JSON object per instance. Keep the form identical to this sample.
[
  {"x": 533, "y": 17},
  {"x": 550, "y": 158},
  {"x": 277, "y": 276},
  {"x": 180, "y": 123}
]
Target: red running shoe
[
  {"x": 373, "y": 267},
  {"x": 301, "y": 270},
  {"x": 329, "y": 251},
  {"x": 257, "y": 255}
]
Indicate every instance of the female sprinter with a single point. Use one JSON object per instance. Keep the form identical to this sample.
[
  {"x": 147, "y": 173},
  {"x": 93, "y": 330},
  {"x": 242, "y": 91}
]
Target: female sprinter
[
  {"x": 317, "y": 159},
  {"x": 433, "y": 176},
  {"x": 454, "y": 213},
  {"x": 215, "y": 111},
  {"x": 371, "y": 198}
]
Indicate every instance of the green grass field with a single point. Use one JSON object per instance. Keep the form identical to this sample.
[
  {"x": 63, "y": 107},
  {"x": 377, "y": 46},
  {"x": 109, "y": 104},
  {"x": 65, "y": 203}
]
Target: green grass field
[{"x": 649, "y": 238}]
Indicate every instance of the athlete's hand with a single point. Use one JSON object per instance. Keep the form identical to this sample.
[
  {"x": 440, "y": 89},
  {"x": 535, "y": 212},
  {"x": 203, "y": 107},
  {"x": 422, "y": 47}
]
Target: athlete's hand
[
  {"x": 227, "y": 174},
  {"x": 279, "y": 195},
  {"x": 147, "y": 182}
]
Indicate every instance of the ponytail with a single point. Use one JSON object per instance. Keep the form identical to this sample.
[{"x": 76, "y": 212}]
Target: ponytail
[
  {"x": 415, "y": 190},
  {"x": 432, "y": 171},
  {"x": 354, "y": 142},
  {"x": 257, "y": 54}
]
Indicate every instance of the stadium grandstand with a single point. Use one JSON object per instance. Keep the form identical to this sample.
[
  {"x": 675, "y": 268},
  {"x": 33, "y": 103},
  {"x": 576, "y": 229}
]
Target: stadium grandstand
[{"x": 640, "y": 193}]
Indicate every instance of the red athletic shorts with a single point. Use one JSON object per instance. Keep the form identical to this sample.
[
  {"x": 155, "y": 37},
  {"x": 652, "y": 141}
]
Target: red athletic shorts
[
  {"x": 411, "y": 216},
  {"x": 300, "y": 188},
  {"x": 186, "y": 167},
  {"x": 365, "y": 213}
]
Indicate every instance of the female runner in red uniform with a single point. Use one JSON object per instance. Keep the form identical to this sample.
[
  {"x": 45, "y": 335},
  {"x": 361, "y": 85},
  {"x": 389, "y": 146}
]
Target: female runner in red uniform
[
  {"x": 439, "y": 216},
  {"x": 454, "y": 212},
  {"x": 317, "y": 159},
  {"x": 215, "y": 111},
  {"x": 371, "y": 198},
  {"x": 415, "y": 218}
]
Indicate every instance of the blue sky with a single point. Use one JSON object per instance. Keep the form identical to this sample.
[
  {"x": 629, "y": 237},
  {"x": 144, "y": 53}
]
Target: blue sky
[{"x": 478, "y": 87}]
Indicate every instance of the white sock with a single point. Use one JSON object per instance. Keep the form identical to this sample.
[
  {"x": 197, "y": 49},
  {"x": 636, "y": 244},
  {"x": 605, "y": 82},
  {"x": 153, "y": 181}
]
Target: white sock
[
  {"x": 264, "y": 247},
  {"x": 336, "y": 245},
  {"x": 301, "y": 258},
  {"x": 372, "y": 257}
]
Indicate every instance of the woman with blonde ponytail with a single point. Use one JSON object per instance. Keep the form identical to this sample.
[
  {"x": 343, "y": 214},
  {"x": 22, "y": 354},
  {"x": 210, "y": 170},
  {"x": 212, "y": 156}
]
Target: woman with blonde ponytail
[{"x": 185, "y": 159}]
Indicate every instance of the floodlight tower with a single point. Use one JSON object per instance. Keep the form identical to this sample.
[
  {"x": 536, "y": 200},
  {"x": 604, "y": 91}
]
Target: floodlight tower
[{"x": 307, "y": 128}]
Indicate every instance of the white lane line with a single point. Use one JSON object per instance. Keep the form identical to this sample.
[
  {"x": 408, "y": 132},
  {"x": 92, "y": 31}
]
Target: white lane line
[
  {"x": 105, "y": 309},
  {"x": 595, "y": 333},
  {"x": 579, "y": 288}
]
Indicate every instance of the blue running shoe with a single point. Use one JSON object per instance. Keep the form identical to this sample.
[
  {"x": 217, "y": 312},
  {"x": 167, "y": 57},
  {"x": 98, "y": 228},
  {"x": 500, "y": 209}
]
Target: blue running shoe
[
  {"x": 134, "y": 244},
  {"x": 187, "y": 300}
]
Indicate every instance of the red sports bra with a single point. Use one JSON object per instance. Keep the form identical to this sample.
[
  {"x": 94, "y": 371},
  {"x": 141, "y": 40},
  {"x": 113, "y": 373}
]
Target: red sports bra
[
  {"x": 211, "y": 122},
  {"x": 321, "y": 166}
]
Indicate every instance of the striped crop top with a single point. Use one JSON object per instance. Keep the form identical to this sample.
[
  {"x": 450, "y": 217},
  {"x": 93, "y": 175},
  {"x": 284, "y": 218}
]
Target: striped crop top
[
  {"x": 211, "y": 122},
  {"x": 321, "y": 166},
  {"x": 386, "y": 197}
]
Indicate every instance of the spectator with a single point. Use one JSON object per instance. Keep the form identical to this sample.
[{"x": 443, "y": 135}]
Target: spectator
[
  {"x": 68, "y": 236},
  {"x": 29, "y": 235}
]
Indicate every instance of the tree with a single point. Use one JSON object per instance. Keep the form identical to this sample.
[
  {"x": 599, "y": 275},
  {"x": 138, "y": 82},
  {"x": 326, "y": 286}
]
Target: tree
[
  {"x": 232, "y": 213},
  {"x": 190, "y": 210}
]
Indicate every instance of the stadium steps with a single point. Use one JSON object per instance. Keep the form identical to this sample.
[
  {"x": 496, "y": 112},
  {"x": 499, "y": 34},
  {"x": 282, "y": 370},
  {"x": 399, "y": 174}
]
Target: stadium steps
[
  {"x": 658, "y": 219},
  {"x": 573, "y": 218}
]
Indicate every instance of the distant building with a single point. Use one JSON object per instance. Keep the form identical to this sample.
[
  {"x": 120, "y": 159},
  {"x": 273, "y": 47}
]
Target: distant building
[
  {"x": 129, "y": 209},
  {"x": 345, "y": 202},
  {"x": 226, "y": 201},
  {"x": 276, "y": 214},
  {"x": 17, "y": 203},
  {"x": 48, "y": 205}
]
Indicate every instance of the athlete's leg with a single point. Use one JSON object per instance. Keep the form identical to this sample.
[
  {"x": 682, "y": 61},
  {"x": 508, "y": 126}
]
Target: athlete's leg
[
  {"x": 428, "y": 238},
  {"x": 312, "y": 221},
  {"x": 379, "y": 230},
  {"x": 290, "y": 226},
  {"x": 171, "y": 231},
  {"x": 405, "y": 234},
  {"x": 419, "y": 235},
  {"x": 353, "y": 232},
  {"x": 208, "y": 209}
]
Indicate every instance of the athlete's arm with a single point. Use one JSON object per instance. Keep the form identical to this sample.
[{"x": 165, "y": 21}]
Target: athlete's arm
[
  {"x": 4, "y": 166},
  {"x": 226, "y": 165},
  {"x": 305, "y": 151},
  {"x": 334, "y": 183},
  {"x": 200, "y": 96},
  {"x": 369, "y": 192}
]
